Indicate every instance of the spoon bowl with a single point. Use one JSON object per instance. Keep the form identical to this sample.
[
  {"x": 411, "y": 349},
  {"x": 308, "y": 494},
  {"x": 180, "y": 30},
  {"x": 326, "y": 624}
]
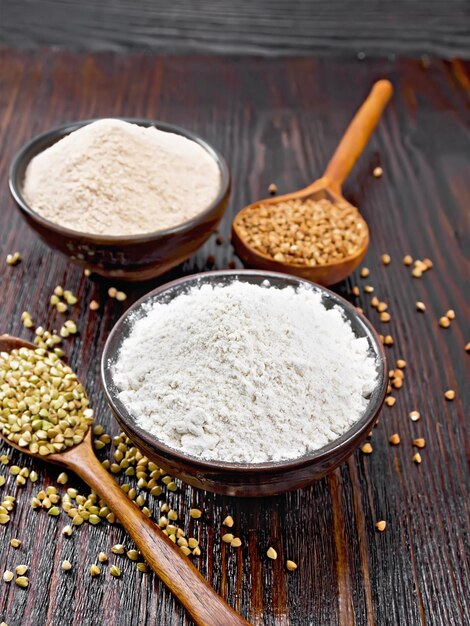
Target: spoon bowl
[
  {"x": 327, "y": 187},
  {"x": 325, "y": 274},
  {"x": 176, "y": 571},
  {"x": 7, "y": 344}
]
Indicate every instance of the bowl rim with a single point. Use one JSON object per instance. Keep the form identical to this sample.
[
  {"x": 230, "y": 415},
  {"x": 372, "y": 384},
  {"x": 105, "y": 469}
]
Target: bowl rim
[
  {"x": 203, "y": 465},
  {"x": 28, "y": 151}
]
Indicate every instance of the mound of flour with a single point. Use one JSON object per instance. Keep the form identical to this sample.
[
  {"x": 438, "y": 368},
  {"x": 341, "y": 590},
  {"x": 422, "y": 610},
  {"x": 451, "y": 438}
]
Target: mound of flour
[
  {"x": 244, "y": 373},
  {"x": 115, "y": 178}
]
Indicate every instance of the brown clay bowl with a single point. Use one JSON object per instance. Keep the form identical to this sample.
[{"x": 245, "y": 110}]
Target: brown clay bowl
[
  {"x": 242, "y": 479},
  {"x": 136, "y": 257}
]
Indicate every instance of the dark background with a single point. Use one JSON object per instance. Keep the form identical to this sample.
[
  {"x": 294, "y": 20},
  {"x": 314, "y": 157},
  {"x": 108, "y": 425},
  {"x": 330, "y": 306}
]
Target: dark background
[
  {"x": 266, "y": 27},
  {"x": 197, "y": 64}
]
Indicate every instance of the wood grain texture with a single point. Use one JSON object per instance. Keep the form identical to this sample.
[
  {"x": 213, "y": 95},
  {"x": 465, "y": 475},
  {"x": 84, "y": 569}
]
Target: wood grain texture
[
  {"x": 274, "y": 121},
  {"x": 265, "y": 27},
  {"x": 178, "y": 573}
]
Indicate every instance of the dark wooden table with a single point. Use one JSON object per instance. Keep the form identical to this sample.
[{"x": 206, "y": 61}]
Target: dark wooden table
[
  {"x": 274, "y": 120},
  {"x": 267, "y": 27}
]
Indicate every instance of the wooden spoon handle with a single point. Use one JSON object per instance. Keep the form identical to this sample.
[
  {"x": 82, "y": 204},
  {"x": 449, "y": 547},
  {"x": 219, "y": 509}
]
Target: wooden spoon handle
[
  {"x": 358, "y": 133},
  {"x": 200, "y": 600}
]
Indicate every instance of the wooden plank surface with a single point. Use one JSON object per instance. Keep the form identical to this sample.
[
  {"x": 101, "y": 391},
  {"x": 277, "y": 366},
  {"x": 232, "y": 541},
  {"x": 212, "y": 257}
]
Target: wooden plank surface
[
  {"x": 274, "y": 121},
  {"x": 265, "y": 27}
]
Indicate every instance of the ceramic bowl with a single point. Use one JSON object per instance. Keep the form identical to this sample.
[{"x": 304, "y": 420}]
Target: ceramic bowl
[
  {"x": 242, "y": 479},
  {"x": 135, "y": 257}
]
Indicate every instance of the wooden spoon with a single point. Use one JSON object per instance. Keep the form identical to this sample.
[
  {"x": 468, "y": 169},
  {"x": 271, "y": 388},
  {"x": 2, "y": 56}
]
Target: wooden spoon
[
  {"x": 328, "y": 186},
  {"x": 200, "y": 600}
]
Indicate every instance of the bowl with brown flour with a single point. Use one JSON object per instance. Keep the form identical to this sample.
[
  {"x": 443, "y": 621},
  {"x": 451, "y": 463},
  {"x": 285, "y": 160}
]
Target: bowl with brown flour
[
  {"x": 125, "y": 198},
  {"x": 243, "y": 382}
]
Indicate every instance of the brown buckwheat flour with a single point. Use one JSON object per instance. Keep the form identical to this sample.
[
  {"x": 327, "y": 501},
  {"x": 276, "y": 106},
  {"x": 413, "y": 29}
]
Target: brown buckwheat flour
[{"x": 115, "y": 178}]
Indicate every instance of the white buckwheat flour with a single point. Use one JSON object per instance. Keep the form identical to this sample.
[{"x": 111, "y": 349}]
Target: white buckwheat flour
[
  {"x": 115, "y": 178},
  {"x": 245, "y": 373}
]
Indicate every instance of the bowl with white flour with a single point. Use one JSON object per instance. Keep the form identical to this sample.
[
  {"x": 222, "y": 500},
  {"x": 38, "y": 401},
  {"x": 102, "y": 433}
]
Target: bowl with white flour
[
  {"x": 125, "y": 198},
  {"x": 244, "y": 382}
]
